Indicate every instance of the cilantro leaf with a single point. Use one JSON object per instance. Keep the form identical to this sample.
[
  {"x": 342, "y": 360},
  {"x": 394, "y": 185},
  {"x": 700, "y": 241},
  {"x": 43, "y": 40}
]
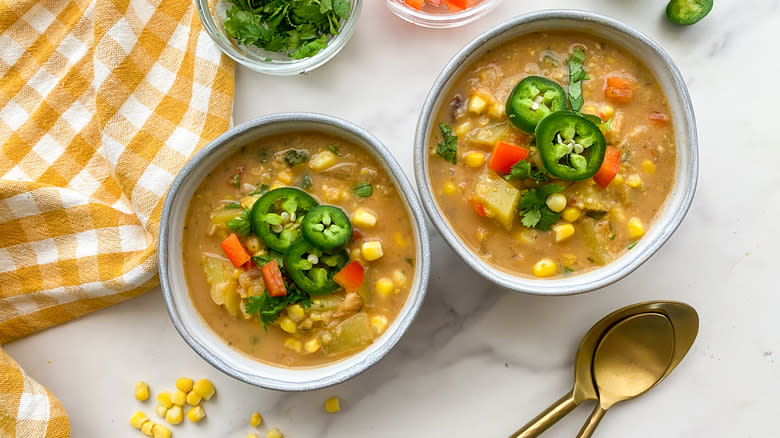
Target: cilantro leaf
[
  {"x": 232, "y": 206},
  {"x": 240, "y": 225},
  {"x": 305, "y": 182},
  {"x": 268, "y": 308},
  {"x": 261, "y": 190},
  {"x": 310, "y": 48},
  {"x": 294, "y": 157},
  {"x": 524, "y": 170},
  {"x": 534, "y": 210},
  {"x": 448, "y": 147},
  {"x": 334, "y": 150},
  {"x": 577, "y": 74},
  {"x": 364, "y": 190}
]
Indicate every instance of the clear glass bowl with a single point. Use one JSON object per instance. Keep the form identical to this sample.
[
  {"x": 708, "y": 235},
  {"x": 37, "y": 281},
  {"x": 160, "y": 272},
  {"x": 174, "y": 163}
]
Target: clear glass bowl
[
  {"x": 440, "y": 17},
  {"x": 212, "y": 15}
]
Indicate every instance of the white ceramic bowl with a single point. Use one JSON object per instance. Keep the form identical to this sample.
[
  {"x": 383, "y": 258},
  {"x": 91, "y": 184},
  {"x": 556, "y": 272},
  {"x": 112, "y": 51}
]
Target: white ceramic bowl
[
  {"x": 186, "y": 319},
  {"x": 671, "y": 81}
]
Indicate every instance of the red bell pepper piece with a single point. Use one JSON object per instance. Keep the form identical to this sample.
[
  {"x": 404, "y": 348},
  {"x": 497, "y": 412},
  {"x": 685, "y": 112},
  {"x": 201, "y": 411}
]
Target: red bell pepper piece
[
  {"x": 350, "y": 277},
  {"x": 505, "y": 155},
  {"x": 417, "y": 4},
  {"x": 235, "y": 251},
  {"x": 609, "y": 167},
  {"x": 272, "y": 276},
  {"x": 478, "y": 207}
]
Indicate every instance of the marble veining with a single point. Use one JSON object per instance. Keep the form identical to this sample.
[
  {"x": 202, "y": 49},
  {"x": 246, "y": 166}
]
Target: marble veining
[{"x": 480, "y": 361}]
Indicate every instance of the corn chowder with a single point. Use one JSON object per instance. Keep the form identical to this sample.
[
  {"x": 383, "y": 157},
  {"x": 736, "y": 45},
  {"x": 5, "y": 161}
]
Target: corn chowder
[
  {"x": 298, "y": 250},
  {"x": 552, "y": 154}
]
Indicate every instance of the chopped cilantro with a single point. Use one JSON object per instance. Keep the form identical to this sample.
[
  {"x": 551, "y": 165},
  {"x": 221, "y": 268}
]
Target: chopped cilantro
[
  {"x": 334, "y": 150},
  {"x": 262, "y": 259},
  {"x": 305, "y": 182},
  {"x": 236, "y": 180},
  {"x": 232, "y": 206},
  {"x": 567, "y": 269},
  {"x": 576, "y": 76},
  {"x": 364, "y": 190},
  {"x": 240, "y": 225},
  {"x": 524, "y": 170},
  {"x": 632, "y": 245},
  {"x": 596, "y": 214},
  {"x": 409, "y": 261},
  {"x": 261, "y": 190},
  {"x": 294, "y": 157},
  {"x": 448, "y": 147},
  {"x": 534, "y": 210},
  {"x": 268, "y": 308}
]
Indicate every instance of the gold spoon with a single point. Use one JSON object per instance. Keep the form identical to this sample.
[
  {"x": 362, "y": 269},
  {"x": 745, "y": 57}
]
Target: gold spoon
[
  {"x": 686, "y": 325},
  {"x": 631, "y": 358}
]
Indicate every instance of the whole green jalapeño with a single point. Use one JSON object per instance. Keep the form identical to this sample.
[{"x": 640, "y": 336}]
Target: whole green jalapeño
[
  {"x": 570, "y": 146},
  {"x": 276, "y": 217},
  {"x": 533, "y": 99}
]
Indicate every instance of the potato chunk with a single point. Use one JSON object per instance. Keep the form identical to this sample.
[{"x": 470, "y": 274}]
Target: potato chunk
[{"x": 498, "y": 197}]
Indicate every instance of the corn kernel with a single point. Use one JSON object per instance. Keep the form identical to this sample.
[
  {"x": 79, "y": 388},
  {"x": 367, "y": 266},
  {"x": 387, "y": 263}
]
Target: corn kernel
[
  {"x": 256, "y": 420},
  {"x": 569, "y": 260},
  {"x": 400, "y": 240},
  {"x": 379, "y": 324},
  {"x": 160, "y": 431},
  {"x": 179, "y": 397},
  {"x": 293, "y": 344},
  {"x": 333, "y": 405},
  {"x": 563, "y": 231},
  {"x": 571, "y": 214},
  {"x": 608, "y": 110},
  {"x": 497, "y": 111},
  {"x": 164, "y": 398},
  {"x": 450, "y": 188},
  {"x": 617, "y": 180},
  {"x": 634, "y": 181},
  {"x": 648, "y": 167},
  {"x": 545, "y": 268},
  {"x": 184, "y": 384},
  {"x": 474, "y": 159},
  {"x": 462, "y": 129},
  {"x": 141, "y": 391},
  {"x": 273, "y": 433},
  {"x": 363, "y": 218},
  {"x": 312, "y": 345},
  {"x": 399, "y": 278},
  {"x": 193, "y": 399},
  {"x": 527, "y": 236},
  {"x": 252, "y": 435},
  {"x": 372, "y": 250},
  {"x": 174, "y": 415},
  {"x": 138, "y": 419},
  {"x": 296, "y": 313},
  {"x": 288, "y": 325},
  {"x": 354, "y": 254},
  {"x": 556, "y": 202},
  {"x": 161, "y": 410},
  {"x": 383, "y": 287},
  {"x": 285, "y": 177},
  {"x": 253, "y": 245},
  {"x": 196, "y": 414},
  {"x": 323, "y": 160},
  {"x": 477, "y": 104},
  {"x": 590, "y": 109},
  {"x": 204, "y": 388},
  {"x": 147, "y": 427},
  {"x": 618, "y": 215},
  {"x": 636, "y": 228}
]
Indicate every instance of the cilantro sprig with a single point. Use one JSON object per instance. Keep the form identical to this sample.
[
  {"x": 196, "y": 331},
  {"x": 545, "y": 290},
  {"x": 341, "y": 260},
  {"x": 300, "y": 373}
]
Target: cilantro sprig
[
  {"x": 298, "y": 28},
  {"x": 524, "y": 170},
  {"x": 240, "y": 225},
  {"x": 448, "y": 147},
  {"x": 534, "y": 210},
  {"x": 577, "y": 74},
  {"x": 268, "y": 308}
]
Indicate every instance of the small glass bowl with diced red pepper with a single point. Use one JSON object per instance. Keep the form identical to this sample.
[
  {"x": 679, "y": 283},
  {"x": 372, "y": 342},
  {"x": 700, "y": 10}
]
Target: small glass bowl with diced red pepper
[{"x": 441, "y": 13}]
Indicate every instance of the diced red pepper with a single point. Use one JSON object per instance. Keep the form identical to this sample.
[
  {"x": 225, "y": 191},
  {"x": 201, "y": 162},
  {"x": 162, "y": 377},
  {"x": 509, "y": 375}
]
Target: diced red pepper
[
  {"x": 350, "y": 277},
  {"x": 272, "y": 277},
  {"x": 235, "y": 251},
  {"x": 619, "y": 90},
  {"x": 658, "y": 118},
  {"x": 417, "y": 4},
  {"x": 458, "y": 4},
  {"x": 505, "y": 155},
  {"x": 478, "y": 207},
  {"x": 609, "y": 167}
]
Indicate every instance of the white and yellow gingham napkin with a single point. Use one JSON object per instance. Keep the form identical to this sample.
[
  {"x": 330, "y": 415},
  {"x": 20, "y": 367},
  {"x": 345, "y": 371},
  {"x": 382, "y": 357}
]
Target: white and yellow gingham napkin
[{"x": 101, "y": 103}]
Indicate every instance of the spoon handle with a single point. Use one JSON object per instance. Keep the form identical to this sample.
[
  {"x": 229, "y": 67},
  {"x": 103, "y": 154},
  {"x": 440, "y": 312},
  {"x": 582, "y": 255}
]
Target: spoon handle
[
  {"x": 590, "y": 426},
  {"x": 550, "y": 416}
]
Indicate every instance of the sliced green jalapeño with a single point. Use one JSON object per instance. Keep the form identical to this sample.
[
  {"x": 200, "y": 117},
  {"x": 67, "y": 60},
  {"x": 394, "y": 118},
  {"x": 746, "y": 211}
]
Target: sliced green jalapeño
[
  {"x": 326, "y": 227},
  {"x": 312, "y": 270},
  {"x": 277, "y": 216},
  {"x": 533, "y": 99},
  {"x": 570, "y": 146}
]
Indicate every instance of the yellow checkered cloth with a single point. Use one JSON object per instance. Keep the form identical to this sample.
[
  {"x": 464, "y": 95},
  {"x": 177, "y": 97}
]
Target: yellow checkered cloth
[{"x": 101, "y": 104}]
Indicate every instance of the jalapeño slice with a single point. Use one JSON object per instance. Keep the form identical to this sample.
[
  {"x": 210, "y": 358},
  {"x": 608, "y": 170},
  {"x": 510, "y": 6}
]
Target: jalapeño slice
[
  {"x": 312, "y": 270},
  {"x": 570, "y": 146},
  {"x": 326, "y": 227},
  {"x": 687, "y": 12},
  {"x": 533, "y": 99},
  {"x": 277, "y": 215}
]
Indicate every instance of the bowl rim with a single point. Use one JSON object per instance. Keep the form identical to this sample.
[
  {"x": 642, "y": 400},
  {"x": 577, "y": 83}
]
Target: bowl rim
[
  {"x": 287, "y": 67},
  {"x": 417, "y": 217},
  {"x": 568, "y": 285}
]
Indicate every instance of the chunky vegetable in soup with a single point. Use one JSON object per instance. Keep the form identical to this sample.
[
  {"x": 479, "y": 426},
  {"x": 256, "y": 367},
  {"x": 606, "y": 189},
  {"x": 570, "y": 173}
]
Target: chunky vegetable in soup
[
  {"x": 298, "y": 250},
  {"x": 553, "y": 154}
]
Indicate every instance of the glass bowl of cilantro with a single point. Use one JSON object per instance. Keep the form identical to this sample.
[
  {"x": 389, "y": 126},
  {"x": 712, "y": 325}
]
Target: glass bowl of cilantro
[{"x": 280, "y": 37}]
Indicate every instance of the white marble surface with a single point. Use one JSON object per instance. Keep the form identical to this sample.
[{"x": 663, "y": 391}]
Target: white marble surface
[{"x": 479, "y": 362}]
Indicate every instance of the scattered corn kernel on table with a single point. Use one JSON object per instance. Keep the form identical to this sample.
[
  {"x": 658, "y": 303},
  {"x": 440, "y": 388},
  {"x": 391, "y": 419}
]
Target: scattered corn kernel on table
[{"x": 479, "y": 361}]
